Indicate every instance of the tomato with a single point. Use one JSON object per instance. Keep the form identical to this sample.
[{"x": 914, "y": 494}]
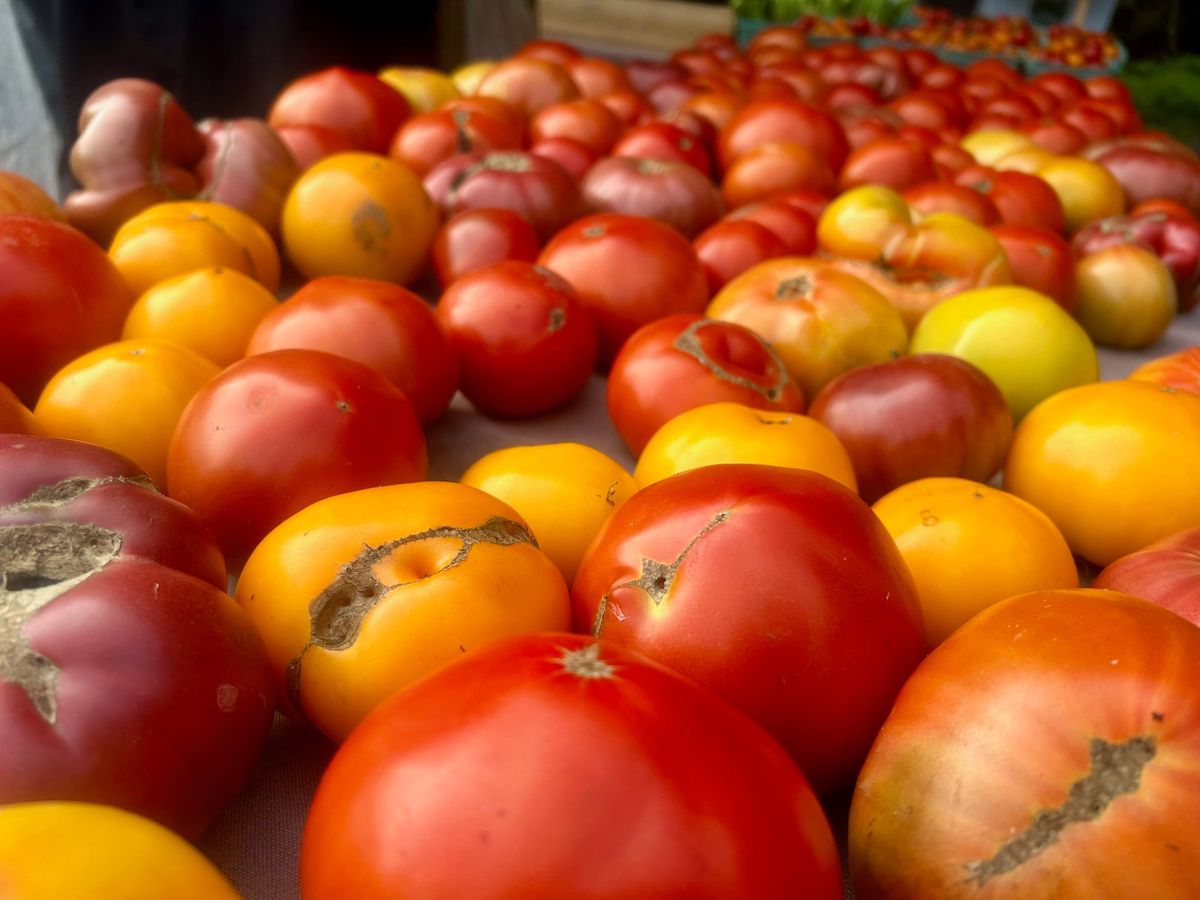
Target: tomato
[
  {"x": 1137, "y": 489},
  {"x": 1040, "y": 260},
  {"x": 729, "y": 432},
  {"x": 776, "y": 167},
  {"x": 1055, "y": 135},
  {"x": 660, "y": 274},
  {"x": 820, "y": 321},
  {"x": 15, "y": 417},
  {"x": 795, "y": 227},
  {"x": 211, "y": 311},
  {"x": 525, "y": 342},
  {"x": 361, "y": 215},
  {"x": 424, "y": 89},
  {"x": 929, "y": 197},
  {"x": 596, "y": 76},
  {"x": 426, "y": 140},
  {"x": 467, "y": 77},
  {"x": 551, "y": 51},
  {"x": 1021, "y": 199},
  {"x": 278, "y": 431},
  {"x": 729, "y": 247},
  {"x": 893, "y": 161},
  {"x": 663, "y": 140},
  {"x": 618, "y": 739},
  {"x": 1108, "y": 731},
  {"x": 1145, "y": 173},
  {"x": 362, "y": 593},
  {"x": 804, "y": 646},
  {"x": 630, "y": 108},
  {"x": 671, "y": 192},
  {"x": 574, "y": 157},
  {"x": 1127, "y": 296},
  {"x": 782, "y": 120},
  {"x": 310, "y": 143},
  {"x": 534, "y": 186},
  {"x": 528, "y": 83},
  {"x": 476, "y": 238},
  {"x": 383, "y": 325},
  {"x": 1180, "y": 370},
  {"x": 1087, "y": 190},
  {"x": 565, "y": 492},
  {"x": 492, "y": 108},
  {"x": 60, "y": 296},
  {"x": 357, "y": 104},
  {"x": 1024, "y": 341},
  {"x": 913, "y": 417},
  {"x": 54, "y": 850},
  {"x": 127, "y": 397},
  {"x": 178, "y": 237},
  {"x": 588, "y": 121},
  {"x": 246, "y": 166},
  {"x": 20, "y": 195}
]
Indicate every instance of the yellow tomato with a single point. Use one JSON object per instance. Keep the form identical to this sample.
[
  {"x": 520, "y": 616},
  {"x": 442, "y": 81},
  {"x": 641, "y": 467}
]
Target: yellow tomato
[
  {"x": 968, "y": 546},
  {"x": 212, "y": 311},
  {"x": 174, "y": 238},
  {"x": 127, "y": 396},
  {"x": 1022, "y": 340},
  {"x": 1113, "y": 465},
  {"x": 360, "y": 594},
  {"x": 1024, "y": 159},
  {"x": 1125, "y": 296},
  {"x": 1086, "y": 189},
  {"x": 734, "y": 433},
  {"x": 990, "y": 146},
  {"x": 466, "y": 78},
  {"x": 860, "y": 222},
  {"x": 564, "y": 491},
  {"x": 83, "y": 851},
  {"x": 424, "y": 89},
  {"x": 359, "y": 214}
]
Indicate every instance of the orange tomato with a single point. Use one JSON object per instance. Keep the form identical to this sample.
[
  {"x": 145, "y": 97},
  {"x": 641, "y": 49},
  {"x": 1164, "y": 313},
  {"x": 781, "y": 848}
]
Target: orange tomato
[
  {"x": 359, "y": 214},
  {"x": 212, "y": 311},
  {"x": 53, "y": 851},
  {"x": 564, "y": 491},
  {"x": 177, "y": 237},
  {"x": 860, "y": 222},
  {"x": 20, "y": 195},
  {"x": 735, "y": 433},
  {"x": 1178, "y": 370},
  {"x": 126, "y": 396},
  {"x": 360, "y": 594},
  {"x": 1113, "y": 464},
  {"x": 968, "y": 546},
  {"x": 15, "y": 417}
]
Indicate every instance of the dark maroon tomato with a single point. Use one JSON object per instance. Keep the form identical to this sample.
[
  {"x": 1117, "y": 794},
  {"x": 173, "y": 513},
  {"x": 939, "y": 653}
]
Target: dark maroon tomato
[
  {"x": 730, "y": 247},
  {"x": 627, "y": 271},
  {"x": 356, "y": 104},
  {"x": 778, "y": 589},
  {"x": 674, "y": 193},
  {"x": 480, "y": 237},
  {"x": 53, "y": 482},
  {"x": 916, "y": 417},
  {"x": 683, "y": 361},
  {"x": 278, "y": 431},
  {"x": 525, "y": 341},
  {"x": 557, "y": 766},
  {"x": 536, "y": 187}
]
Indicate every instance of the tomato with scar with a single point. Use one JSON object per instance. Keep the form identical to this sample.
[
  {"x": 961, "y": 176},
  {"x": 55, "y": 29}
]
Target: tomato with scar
[
  {"x": 1047, "y": 749},
  {"x": 360, "y": 594},
  {"x": 127, "y": 676}
]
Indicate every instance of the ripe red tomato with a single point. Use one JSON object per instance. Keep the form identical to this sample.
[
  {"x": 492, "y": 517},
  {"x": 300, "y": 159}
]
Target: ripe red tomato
[
  {"x": 815, "y": 650},
  {"x": 588, "y": 121},
  {"x": 60, "y": 296},
  {"x": 683, "y": 361},
  {"x": 356, "y": 104},
  {"x": 1039, "y": 259},
  {"x": 1098, "y": 801},
  {"x": 659, "y": 274},
  {"x": 380, "y": 324},
  {"x": 729, "y": 247},
  {"x": 663, "y": 140},
  {"x": 616, "y": 739},
  {"x": 775, "y": 168},
  {"x": 479, "y": 237},
  {"x": 528, "y": 83},
  {"x": 945, "y": 196},
  {"x": 426, "y": 140},
  {"x": 278, "y": 431},
  {"x": 782, "y": 120},
  {"x": 574, "y": 157},
  {"x": 525, "y": 341},
  {"x": 1022, "y": 199},
  {"x": 795, "y": 227}
]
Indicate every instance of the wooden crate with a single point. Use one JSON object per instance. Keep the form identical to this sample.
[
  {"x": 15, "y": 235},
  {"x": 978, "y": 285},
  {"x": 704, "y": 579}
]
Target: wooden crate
[{"x": 631, "y": 27}]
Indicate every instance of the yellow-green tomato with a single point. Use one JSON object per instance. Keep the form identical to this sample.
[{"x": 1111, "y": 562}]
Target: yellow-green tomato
[
  {"x": 1024, "y": 341},
  {"x": 734, "y": 433},
  {"x": 84, "y": 851},
  {"x": 565, "y": 492}
]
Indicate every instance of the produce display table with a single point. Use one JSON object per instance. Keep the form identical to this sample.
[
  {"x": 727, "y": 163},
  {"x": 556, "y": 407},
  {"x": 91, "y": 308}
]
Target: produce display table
[{"x": 257, "y": 840}]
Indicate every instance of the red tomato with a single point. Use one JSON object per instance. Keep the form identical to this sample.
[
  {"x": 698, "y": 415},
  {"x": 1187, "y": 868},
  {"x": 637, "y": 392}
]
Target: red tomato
[
  {"x": 278, "y": 431},
  {"x": 729, "y": 247},
  {"x": 629, "y": 107},
  {"x": 311, "y": 143},
  {"x": 782, "y": 120},
  {"x": 1167, "y": 573},
  {"x": 574, "y": 157},
  {"x": 1063, "y": 85},
  {"x": 1039, "y": 259},
  {"x": 795, "y": 227},
  {"x": 804, "y": 645},
  {"x": 525, "y": 342},
  {"x": 929, "y": 109},
  {"x": 380, "y": 324},
  {"x": 528, "y": 83},
  {"x": 777, "y": 167},
  {"x": 493, "y": 108},
  {"x": 1055, "y": 135},
  {"x": 1096, "y": 802},
  {"x": 662, "y": 140},
  {"x": 893, "y": 161},
  {"x": 659, "y": 274},
  {"x": 616, "y": 739},
  {"x": 480, "y": 237},
  {"x": 356, "y": 104},
  {"x": 944, "y": 196},
  {"x": 588, "y": 121},
  {"x": 683, "y": 361},
  {"x": 60, "y": 296},
  {"x": 595, "y": 76},
  {"x": 551, "y": 51},
  {"x": 1021, "y": 199},
  {"x": 426, "y": 140},
  {"x": 671, "y": 192}
]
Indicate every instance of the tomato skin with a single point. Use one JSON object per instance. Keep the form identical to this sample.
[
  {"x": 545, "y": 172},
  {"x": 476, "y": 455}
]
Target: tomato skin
[
  {"x": 588, "y": 121},
  {"x": 476, "y": 238},
  {"x": 729, "y": 247},
  {"x": 1006, "y": 724},
  {"x": 664, "y": 140},
  {"x": 60, "y": 296},
  {"x": 426, "y": 140},
  {"x": 1040, "y": 260},
  {"x": 355, "y": 103},
  {"x": 619, "y": 740},
  {"x": 15, "y": 416},
  {"x": 1167, "y": 573},
  {"x": 525, "y": 342},
  {"x": 660, "y": 274},
  {"x": 782, "y": 120},
  {"x": 373, "y": 322},
  {"x": 783, "y": 651},
  {"x": 280, "y": 430},
  {"x": 528, "y": 83},
  {"x": 672, "y": 192}
]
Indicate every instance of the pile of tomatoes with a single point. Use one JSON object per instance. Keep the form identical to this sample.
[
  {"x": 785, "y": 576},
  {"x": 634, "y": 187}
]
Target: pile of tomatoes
[{"x": 846, "y": 303}]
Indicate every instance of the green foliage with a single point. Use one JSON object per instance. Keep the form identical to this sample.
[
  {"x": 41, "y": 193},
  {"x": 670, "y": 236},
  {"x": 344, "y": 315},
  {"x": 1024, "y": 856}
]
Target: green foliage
[
  {"x": 886, "y": 11},
  {"x": 1167, "y": 94}
]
